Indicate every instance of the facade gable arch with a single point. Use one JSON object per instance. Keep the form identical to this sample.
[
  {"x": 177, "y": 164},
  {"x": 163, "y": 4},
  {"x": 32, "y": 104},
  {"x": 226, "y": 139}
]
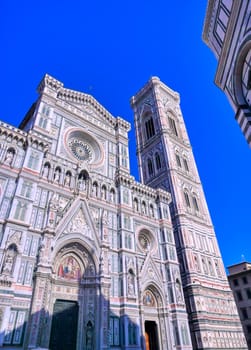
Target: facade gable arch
[{"x": 78, "y": 220}]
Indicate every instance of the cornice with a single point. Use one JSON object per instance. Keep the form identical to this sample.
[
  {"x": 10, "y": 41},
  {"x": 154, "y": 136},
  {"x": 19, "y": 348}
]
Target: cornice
[{"x": 79, "y": 98}]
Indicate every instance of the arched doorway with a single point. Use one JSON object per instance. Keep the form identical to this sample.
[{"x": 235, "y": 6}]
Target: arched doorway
[
  {"x": 151, "y": 319},
  {"x": 73, "y": 299}
]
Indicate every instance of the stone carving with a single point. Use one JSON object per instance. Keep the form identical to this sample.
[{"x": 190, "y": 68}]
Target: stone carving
[
  {"x": 131, "y": 283},
  {"x": 9, "y": 157},
  {"x": 67, "y": 179},
  {"x": 79, "y": 224},
  {"x": 9, "y": 259},
  {"x": 89, "y": 336}
]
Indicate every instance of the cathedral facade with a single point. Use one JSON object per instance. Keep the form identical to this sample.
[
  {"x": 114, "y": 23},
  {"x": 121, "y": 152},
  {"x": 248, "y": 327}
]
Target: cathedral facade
[{"x": 89, "y": 257}]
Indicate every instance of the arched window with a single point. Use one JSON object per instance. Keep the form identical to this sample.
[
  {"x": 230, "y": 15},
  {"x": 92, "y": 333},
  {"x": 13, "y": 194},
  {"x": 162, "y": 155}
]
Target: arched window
[
  {"x": 185, "y": 164},
  {"x": 178, "y": 160},
  {"x": 195, "y": 204},
  {"x": 149, "y": 127},
  {"x": 157, "y": 161},
  {"x": 150, "y": 167},
  {"x": 172, "y": 126},
  {"x": 187, "y": 200}
]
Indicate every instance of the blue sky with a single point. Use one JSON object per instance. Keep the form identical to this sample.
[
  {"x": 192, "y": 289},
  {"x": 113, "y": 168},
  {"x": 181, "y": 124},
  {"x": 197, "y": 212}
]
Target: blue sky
[{"x": 110, "y": 49}]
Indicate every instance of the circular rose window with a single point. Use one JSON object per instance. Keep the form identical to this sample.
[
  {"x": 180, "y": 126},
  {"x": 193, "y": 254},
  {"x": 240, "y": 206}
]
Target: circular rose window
[{"x": 82, "y": 146}]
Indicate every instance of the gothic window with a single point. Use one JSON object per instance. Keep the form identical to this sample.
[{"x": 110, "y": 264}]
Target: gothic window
[
  {"x": 43, "y": 122},
  {"x": 150, "y": 167},
  {"x": 9, "y": 156},
  {"x": 15, "y": 327},
  {"x": 33, "y": 160},
  {"x": 128, "y": 241},
  {"x": 20, "y": 211},
  {"x": 211, "y": 270},
  {"x": 26, "y": 189},
  {"x": 178, "y": 160},
  {"x": 187, "y": 200},
  {"x": 204, "y": 265},
  {"x": 185, "y": 164},
  {"x": 217, "y": 268},
  {"x": 125, "y": 196},
  {"x": 172, "y": 253},
  {"x": 157, "y": 161},
  {"x": 195, "y": 203},
  {"x": 184, "y": 334},
  {"x": 172, "y": 126},
  {"x": 25, "y": 272},
  {"x": 46, "y": 110},
  {"x": 114, "y": 331},
  {"x": 149, "y": 127}
]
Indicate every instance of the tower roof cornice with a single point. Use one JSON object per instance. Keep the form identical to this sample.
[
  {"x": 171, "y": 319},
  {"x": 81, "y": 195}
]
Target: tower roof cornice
[{"x": 153, "y": 83}]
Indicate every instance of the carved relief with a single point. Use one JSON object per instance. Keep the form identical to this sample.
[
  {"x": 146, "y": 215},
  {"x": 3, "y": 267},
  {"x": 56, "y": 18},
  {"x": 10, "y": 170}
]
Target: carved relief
[{"x": 79, "y": 224}]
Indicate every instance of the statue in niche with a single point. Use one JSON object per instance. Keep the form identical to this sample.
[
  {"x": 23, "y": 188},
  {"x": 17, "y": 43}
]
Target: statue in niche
[
  {"x": 130, "y": 284},
  {"x": 46, "y": 170},
  {"x": 67, "y": 180},
  {"x": 178, "y": 290},
  {"x": 9, "y": 157},
  {"x": 57, "y": 175},
  {"x": 89, "y": 336},
  {"x": 9, "y": 259}
]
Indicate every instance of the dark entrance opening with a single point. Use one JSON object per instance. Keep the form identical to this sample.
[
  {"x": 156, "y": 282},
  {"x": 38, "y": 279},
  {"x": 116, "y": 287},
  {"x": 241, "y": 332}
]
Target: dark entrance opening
[
  {"x": 64, "y": 325},
  {"x": 151, "y": 335}
]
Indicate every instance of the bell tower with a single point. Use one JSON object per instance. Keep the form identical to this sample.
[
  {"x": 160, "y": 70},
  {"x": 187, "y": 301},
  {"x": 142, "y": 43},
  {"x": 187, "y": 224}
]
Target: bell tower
[{"x": 166, "y": 161}]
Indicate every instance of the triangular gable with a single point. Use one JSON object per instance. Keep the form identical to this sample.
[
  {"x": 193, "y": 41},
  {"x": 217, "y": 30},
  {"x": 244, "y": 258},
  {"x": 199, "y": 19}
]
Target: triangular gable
[
  {"x": 149, "y": 271},
  {"x": 78, "y": 220}
]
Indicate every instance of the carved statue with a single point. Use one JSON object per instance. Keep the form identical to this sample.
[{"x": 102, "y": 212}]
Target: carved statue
[
  {"x": 9, "y": 157},
  {"x": 89, "y": 336}
]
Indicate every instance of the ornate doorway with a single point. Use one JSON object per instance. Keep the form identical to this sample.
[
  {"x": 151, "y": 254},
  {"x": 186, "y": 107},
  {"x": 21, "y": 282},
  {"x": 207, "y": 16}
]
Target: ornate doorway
[
  {"x": 64, "y": 325},
  {"x": 151, "y": 335}
]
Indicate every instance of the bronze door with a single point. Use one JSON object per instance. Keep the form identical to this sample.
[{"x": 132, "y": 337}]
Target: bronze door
[
  {"x": 151, "y": 335},
  {"x": 64, "y": 325}
]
